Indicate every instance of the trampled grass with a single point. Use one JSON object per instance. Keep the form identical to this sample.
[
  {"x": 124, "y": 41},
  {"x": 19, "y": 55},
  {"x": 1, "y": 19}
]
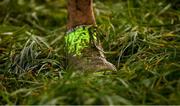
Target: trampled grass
[{"x": 142, "y": 38}]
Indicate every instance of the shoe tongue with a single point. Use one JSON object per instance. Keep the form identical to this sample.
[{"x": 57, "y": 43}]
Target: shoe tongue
[{"x": 78, "y": 38}]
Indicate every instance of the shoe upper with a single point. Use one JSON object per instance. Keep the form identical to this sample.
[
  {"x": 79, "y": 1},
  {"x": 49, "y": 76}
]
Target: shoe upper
[{"x": 84, "y": 51}]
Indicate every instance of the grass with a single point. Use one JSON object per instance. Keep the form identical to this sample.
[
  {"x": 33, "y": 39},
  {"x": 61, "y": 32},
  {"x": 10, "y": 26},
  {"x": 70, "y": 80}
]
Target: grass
[{"x": 140, "y": 37}]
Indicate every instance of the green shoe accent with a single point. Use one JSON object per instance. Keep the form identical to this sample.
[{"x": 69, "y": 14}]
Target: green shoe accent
[{"x": 79, "y": 38}]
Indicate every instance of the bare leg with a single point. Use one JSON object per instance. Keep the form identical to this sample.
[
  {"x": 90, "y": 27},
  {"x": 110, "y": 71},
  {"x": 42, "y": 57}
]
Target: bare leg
[{"x": 80, "y": 12}]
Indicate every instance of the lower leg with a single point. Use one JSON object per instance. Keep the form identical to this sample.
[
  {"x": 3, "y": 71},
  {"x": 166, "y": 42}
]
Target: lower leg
[{"x": 80, "y": 12}]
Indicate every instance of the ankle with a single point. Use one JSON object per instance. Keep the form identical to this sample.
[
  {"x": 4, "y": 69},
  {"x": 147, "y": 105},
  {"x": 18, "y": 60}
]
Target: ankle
[{"x": 80, "y": 12}]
